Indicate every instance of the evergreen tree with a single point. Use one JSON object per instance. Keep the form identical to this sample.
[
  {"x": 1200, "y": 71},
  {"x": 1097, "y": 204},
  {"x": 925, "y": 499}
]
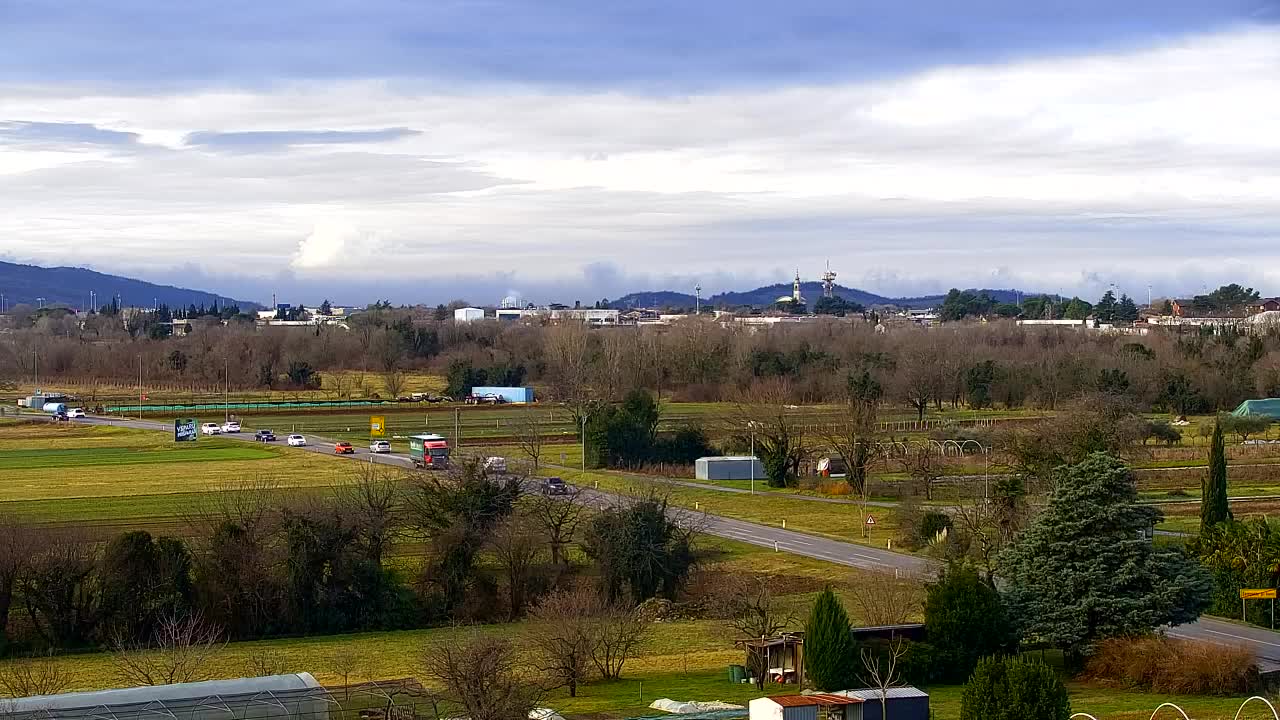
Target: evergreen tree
[
  {"x": 1166, "y": 308},
  {"x": 1085, "y": 570},
  {"x": 1126, "y": 310},
  {"x": 829, "y": 651},
  {"x": 1213, "y": 492},
  {"x": 1105, "y": 310},
  {"x": 1014, "y": 688},
  {"x": 1077, "y": 309},
  {"x": 966, "y": 621}
]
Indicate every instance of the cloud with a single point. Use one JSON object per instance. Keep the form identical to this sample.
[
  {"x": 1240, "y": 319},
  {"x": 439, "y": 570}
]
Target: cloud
[
  {"x": 62, "y": 134},
  {"x": 1047, "y": 172},
  {"x": 281, "y": 139}
]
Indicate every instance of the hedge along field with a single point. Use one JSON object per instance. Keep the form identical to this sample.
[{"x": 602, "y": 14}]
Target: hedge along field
[{"x": 61, "y": 466}]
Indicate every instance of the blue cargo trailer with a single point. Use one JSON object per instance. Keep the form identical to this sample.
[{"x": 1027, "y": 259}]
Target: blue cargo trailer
[{"x": 514, "y": 395}]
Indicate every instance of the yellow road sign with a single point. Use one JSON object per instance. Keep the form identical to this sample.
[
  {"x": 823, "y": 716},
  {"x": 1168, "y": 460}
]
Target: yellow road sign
[
  {"x": 1258, "y": 594},
  {"x": 377, "y": 426}
]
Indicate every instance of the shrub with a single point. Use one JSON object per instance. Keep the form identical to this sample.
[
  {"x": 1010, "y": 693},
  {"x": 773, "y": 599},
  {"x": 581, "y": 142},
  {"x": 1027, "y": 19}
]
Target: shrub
[
  {"x": 1170, "y": 666},
  {"x": 1014, "y": 688},
  {"x": 834, "y": 487},
  {"x": 966, "y": 621},
  {"x": 829, "y": 650},
  {"x": 932, "y": 523}
]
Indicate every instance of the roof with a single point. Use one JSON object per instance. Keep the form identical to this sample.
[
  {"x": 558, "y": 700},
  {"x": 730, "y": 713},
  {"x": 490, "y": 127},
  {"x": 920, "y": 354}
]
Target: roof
[
  {"x": 66, "y": 704},
  {"x": 814, "y": 699},
  {"x": 1269, "y": 407},
  {"x": 898, "y": 692},
  {"x": 728, "y": 458}
]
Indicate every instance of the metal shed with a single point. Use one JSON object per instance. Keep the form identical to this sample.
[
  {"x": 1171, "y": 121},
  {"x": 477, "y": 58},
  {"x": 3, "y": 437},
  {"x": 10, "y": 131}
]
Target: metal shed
[
  {"x": 276, "y": 696},
  {"x": 817, "y": 706},
  {"x": 900, "y": 703},
  {"x": 513, "y": 395},
  {"x": 729, "y": 467}
]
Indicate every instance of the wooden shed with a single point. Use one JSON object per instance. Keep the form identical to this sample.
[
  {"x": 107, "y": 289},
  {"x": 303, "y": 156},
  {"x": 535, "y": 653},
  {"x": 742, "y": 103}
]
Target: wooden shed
[{"x": 779, "y": 658}]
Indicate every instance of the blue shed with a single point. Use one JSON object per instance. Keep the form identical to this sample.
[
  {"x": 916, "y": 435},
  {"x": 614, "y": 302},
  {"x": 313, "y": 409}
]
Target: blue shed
[
  {"x": 900, "y": 703},
  {"x": 515, "y": 395}
]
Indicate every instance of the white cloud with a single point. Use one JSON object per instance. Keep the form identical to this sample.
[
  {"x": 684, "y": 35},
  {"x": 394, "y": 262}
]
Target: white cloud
[{"x": 1126, "y": 163}]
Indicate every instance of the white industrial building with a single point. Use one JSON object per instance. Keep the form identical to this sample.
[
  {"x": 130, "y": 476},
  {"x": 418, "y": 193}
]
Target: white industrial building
[{"x": 468, "y": 314}]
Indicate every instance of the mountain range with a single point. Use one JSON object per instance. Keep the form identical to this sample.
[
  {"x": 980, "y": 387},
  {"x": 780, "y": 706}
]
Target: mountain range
[
  {"x": 769, "y": 294},
  {"x": 70, "y": 286}
]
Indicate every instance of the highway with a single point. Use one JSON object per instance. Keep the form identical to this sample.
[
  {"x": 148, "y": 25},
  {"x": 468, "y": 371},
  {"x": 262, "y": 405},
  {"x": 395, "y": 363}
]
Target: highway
[{"x": 1264, "y": 643}]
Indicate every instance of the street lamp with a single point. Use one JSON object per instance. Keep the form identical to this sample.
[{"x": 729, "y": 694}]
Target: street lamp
[
  {"x": 751, "y": 426},
  {"x": 226, "y": 390},
  {"x": 583, "y": 436}
]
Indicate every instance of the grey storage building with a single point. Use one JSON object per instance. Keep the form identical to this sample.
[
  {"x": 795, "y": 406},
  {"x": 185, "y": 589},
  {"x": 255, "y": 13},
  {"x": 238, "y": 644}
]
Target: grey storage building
[
  {"x": 729, "y": 467},
  {"x": 262, "y": 698},
  {"x": 901, "y": 703}
]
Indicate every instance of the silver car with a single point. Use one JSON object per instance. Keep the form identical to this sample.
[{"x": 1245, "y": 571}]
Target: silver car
[{"x": 380, "y": 446}]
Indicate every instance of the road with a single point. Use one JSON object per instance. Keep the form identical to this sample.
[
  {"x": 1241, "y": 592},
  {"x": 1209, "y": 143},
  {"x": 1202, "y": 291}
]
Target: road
[{"x": 1264, "y": 643}]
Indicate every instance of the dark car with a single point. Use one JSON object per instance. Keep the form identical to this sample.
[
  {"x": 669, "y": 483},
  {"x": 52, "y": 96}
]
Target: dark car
[
  {"x": 264, "y": 436},
  {"x": 555, "y": 486}
]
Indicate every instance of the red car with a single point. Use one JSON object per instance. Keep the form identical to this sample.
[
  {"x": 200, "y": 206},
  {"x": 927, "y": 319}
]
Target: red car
[{"x": 344, "y": 448}]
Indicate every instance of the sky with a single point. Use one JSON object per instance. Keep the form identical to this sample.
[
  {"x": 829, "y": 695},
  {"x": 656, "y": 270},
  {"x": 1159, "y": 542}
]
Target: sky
[{"x": 565, "y": 149}]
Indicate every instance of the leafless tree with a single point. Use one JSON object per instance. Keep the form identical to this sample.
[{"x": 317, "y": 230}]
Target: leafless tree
[
  {"x": 853, "y": 437},
  {"x": 479, "y": 678},
  {"x": 343, "y": 663},
  {"x": 621, "y": 631},
  {"x": 528, "y": 431},
  {"x": 371, "y": 502},
  {"x": 755, "y": 614},
  {"x": 18, "y": 542},
  {"x": 559, "y": 517},
  {"x": 563, "y": 634},
  {"x": 394, "y": 383},
  {"x": 264, "y": 662},
  {"x": 182, "y": 650},
  {"x": 567, "y": 348},
  {"x": 765, "y": 411},
  {"x": 881, "y": 599},
  {"x": 883, "y": 672},
  {"x": 924, "y": 466},
  {"x": 516, "y": 546},
  {"x": 36, "y": 675}
]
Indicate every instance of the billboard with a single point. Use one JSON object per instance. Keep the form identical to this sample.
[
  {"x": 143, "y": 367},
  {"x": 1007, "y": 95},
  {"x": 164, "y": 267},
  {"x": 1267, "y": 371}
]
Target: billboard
[
  {"x": 377, "y": 426},
  {"x": 184, "y": 430}
]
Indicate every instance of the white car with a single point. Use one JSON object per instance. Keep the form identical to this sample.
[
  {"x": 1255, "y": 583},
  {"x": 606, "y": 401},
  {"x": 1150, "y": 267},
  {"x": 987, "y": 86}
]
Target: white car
[
  {"x": 75, "y": 412},
  {"x": 231, "y": 426},
  {"x": 380, "y": 446},
  {"x": 296, "y": 441},
  {"x": 495, "y": 464},
  {"x": 210, "y": 429}
]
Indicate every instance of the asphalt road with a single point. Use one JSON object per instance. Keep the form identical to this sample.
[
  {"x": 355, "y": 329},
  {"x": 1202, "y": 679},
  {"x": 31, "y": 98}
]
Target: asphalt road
[{"x": 1264, "y": 643}]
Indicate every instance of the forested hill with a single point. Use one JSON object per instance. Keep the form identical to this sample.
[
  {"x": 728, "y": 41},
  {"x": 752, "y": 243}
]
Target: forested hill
[
  {"x": 768, "y": 294},
  {"x": 71, "y": 286}
]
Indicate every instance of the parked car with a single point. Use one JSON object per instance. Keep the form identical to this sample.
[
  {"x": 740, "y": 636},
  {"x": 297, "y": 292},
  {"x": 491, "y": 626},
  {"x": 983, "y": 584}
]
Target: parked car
[
  {"x": 344, "y": 448},
  {"x": 60, "y": 416},
  {"x": 264, "y": 436},
  {"x": 231, "y": 426},
  {"x": 380, "y": 446},
  {"x": 555, "y": 486},
  {"x": 75, "y": 412},
  {"x": 210, "y": 429},
  {"x": 296, "y": 440},
  {"x": 495, "y": 464}
]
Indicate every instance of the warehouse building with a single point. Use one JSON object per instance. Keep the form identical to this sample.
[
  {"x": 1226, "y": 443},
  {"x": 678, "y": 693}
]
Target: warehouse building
[{"x": 729, "y": 467}]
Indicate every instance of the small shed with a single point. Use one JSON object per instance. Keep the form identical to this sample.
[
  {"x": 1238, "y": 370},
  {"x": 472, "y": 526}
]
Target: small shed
[
  {"x": 780, "y": 659},
  {"x": 729, "y": 467},
  {"x": 818, "y": 706},
  {"x": 900, "y": 703}
]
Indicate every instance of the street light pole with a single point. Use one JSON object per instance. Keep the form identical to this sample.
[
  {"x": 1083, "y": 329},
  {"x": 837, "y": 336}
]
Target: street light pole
[
  {"x": 139, "y": 387},
  {"x": 226, "y": 390},
  {"x": 753, "y": 461},
  {"x": 583, "y": 436}
]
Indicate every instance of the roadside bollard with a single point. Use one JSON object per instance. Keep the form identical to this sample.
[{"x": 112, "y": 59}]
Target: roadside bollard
[
  {"x": 775, "y": 546},
  {"x": 784, "y": 523}
]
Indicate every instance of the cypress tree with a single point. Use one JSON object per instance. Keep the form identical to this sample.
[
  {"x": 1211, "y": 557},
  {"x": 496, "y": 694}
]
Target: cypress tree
[
  {"x": 1213, "y": 492},
  {"x": 1014, "y": 688},
  {"x": 829, "y": 651}
]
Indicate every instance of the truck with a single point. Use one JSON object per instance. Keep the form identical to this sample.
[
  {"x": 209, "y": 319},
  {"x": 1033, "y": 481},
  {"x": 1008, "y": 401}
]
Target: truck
[{"x": 429, "y": 451}]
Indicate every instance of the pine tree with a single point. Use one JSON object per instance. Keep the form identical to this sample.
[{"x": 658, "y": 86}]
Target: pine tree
[
  {"x": 1126, "y": 310},
  {"x": 1106, "y": 308},
  {"x": 1014, "y": 688},
  {"x": 1213, "y": 493},
  {"x": 966, "y": 622},
  {"x": 1085, "y": 570},
  {"x": 829, "y": 651}
]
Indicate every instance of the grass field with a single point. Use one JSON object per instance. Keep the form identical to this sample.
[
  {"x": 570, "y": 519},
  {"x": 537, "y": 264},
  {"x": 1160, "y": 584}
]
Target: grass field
[{"x": 70, "y": 473}]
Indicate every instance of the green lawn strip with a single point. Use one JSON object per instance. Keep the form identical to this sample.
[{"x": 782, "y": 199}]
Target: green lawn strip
[
  {"x": 92, "y": 456},
  {"x": 1107, "y": 703}
]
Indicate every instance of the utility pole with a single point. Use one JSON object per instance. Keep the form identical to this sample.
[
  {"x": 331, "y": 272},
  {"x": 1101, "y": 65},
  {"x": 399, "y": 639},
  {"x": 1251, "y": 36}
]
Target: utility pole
[
  {"x": 697, "y": 299},
  {"x": 457, "y": 425},
  {"x": 226, "y": 390},
  {"x": 139, "y": 387},
  {"x": 35, "y": 354},
  {"x": 584, "y": 442}
]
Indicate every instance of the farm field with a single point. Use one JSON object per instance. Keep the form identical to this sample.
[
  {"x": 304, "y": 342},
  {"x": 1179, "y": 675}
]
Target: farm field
[{"x": 96, "y": 474}]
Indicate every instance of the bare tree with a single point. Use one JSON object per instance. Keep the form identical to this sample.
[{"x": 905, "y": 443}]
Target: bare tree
[
  {"x": 924, "y": 466},
  {"x": 621, "y": 631},
  {"x": 517, "y": 547},
  {"x": 559, "y": 517},
  {"x": 881, "y": 599},
  {"x": 882, "y": 672},
  {"x": 563, "y": 634},
  {"x": 765, "y": 412},
  {"x": 18, "y": 543},
  {"x": 528, "y": 431},
  {"x": 264, "y": 662},
  {"x": 182, "y": 650},
  {"x": 36, "y": 675},
  {"x": 567, "y": 348},
  {"x": 343, "y": 663},
  {"x": 479, "y": 678},
  {"x": 371, "y": 502},
  {"x": 394, "y": 383},
  {"x": 754, "y": 614}
]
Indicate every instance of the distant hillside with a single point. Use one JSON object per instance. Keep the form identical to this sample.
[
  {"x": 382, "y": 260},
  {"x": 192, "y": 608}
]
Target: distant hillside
[
  {"x": 70, "y": 286},
  {"x": 767, "y": 295}
]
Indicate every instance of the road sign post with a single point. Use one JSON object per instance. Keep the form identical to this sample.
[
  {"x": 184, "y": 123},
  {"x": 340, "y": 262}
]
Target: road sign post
[
  {"x": 184, "y": 430},
  {"x": 1247, "y": 594},
  {"x": 871, "y": 523},
  {"x": 377, "y": 426}
]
